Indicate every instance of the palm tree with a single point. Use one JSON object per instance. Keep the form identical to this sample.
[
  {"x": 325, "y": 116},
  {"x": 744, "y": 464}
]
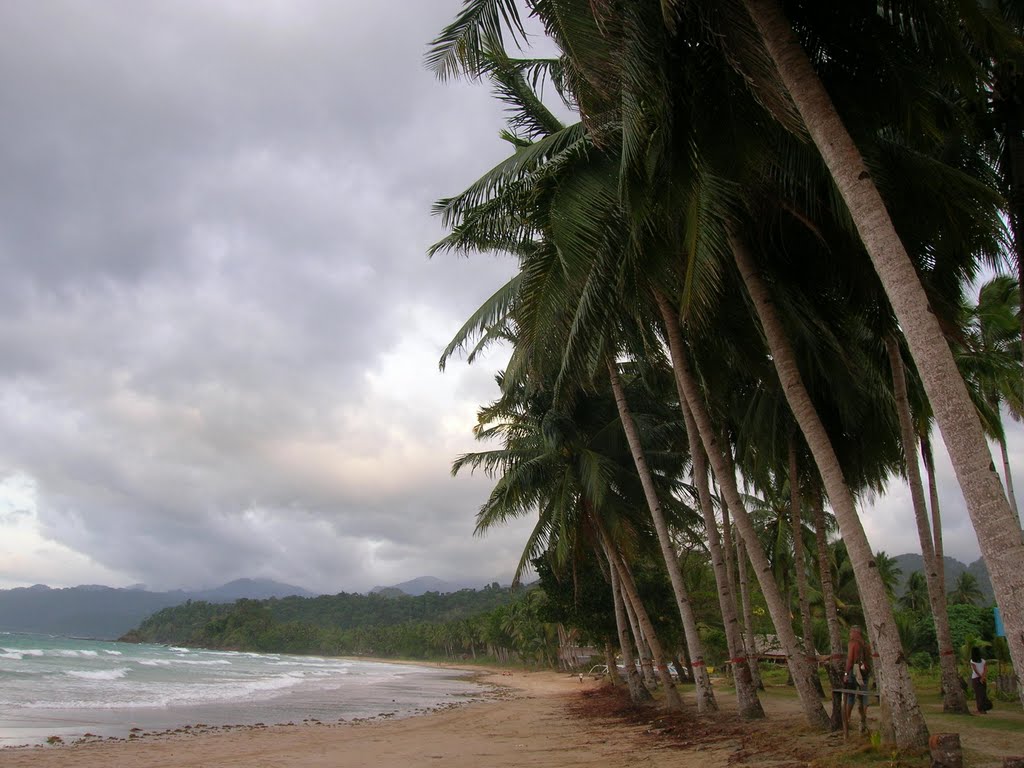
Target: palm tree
[
  {"x": 997, "y": 527},
  {"x": 828, "y": 598},
  {"x": 915, "y": 598},
  {"x": 953, "y": 698},
  {"x": 637, "y": 691},
  {"x": 889, "y": 573},
  {"x": 966, "y": 590},
  {"x": 893, "y": 674},
  {"x": 693, "y": 399},
  {"x": 991, "y": 360},
  {"x": 908, "y": 731}
]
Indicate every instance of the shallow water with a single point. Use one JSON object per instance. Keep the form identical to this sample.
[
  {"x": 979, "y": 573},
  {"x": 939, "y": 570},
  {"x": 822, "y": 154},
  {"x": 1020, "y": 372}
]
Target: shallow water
[{"x": 56, "y": 686}]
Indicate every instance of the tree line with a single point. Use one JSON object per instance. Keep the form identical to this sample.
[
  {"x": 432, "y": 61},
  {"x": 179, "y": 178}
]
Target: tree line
[{"x": 745, "y": 291}]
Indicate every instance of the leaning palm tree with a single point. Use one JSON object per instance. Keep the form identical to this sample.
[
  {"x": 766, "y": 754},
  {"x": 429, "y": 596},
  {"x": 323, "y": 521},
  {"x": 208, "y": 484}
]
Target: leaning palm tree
[
  {"x": 991, "y": 361},
  {"x": 953, "y": 700},
  {"x": 603, "y": 82},
  {"x": 997, "y": 527}
]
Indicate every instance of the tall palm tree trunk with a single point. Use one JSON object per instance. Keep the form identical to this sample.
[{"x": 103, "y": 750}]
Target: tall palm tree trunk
[
  {"x": 748, "y": 704},
  {"x": 730, "y": 551},
  {"x": 705, "y": 695},
  {"x": 643, "y": 652},
  {"x": 609, "y": 660},
  {"x": 1008, "y": 477},
  {"x": 750, "y": 641},
  {"x": 998, "y": 529},
  {"x": 933, "y": 497},
  {"x": 637, "y": 691},
  {"x": 728, "y": 545},
  {"x": 908, "y": 723},
  {"x": 778, "y": 609},
  {"x": 673, "y": 702},
  {"x": 836, "y": 659},
  {"x": 799, "y": 559},
  {"x": 953, "y": 700}
]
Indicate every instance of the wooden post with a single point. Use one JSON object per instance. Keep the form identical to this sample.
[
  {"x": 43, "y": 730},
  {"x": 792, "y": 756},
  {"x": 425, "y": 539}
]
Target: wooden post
[{"x": 945, "y": 750}]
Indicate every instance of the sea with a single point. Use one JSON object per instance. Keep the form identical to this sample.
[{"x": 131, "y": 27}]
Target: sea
[{"x": 70, "y": 689}]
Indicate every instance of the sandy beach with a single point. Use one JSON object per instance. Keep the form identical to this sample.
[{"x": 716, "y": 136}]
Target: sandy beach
[{"x": 532, "y": 719}]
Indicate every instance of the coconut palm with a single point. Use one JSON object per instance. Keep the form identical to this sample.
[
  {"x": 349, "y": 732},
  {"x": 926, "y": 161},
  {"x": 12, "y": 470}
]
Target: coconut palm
[
  {"x": 915, "y": 596},
  {"x": 953, "y": 697},
  {"x": 966, "y": 590},
  {"x": 997, "y": 527},
  {"x": 991, "y": 360},
  {"x": 601, "y": 83}
]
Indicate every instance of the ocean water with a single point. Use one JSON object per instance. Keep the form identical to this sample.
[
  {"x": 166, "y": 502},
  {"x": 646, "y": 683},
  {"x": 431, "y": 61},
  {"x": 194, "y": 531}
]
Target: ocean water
[{"x": 57, "y": 686}]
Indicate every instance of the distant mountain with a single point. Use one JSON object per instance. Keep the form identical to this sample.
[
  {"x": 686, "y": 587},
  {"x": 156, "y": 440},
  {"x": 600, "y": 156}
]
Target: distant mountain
[
  {"x": 93, "y": 610},
  {"x": 253, "y": 589},
  {"x": 912, "y": 561},
  {"x": 422, "y": 585}
]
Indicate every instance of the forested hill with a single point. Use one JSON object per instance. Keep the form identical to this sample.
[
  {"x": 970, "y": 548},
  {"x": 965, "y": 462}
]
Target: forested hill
[{"x": 342, "y": 623}]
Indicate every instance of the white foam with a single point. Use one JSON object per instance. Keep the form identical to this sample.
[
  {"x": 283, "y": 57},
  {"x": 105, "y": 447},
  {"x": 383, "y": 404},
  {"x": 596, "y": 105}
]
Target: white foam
[
  {"x": 177, "y": 695},
  {"x": 113, "y": 653},
  {"x": 98, "y": 674},
  {"x": 78, "y": 654}
]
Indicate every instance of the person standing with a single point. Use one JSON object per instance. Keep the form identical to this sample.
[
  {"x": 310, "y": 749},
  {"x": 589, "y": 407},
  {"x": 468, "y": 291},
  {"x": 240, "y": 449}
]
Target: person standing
[
  {"x": 979, "y": 681},
  {"x": 858, "y": 667}
]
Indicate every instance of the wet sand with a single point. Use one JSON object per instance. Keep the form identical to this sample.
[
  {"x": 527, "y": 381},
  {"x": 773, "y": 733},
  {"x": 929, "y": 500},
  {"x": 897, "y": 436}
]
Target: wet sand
[{"x": 531, "y": 720}]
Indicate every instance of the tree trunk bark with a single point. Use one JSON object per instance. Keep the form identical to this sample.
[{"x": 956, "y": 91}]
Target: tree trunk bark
[
  {"x": 893, "y": 674},
  {"x": 637, "y": 691},
  {"x": 729, "y": 549},
  {"x": 728, "y": 543},
  {"x": 750, "y": 641},
  {"x": 1008, "y": 478},
  {"x": 837, "y": 658},
  {"x": 609, "y": 661},
  {"x": 673, "y": 702},
  {"x": 998, "y": 529},
  {"x": 687, "y": 384},
  {"x": 705, "y": 695},
  {"x": 643, "y": 652},
  {"x": 800, "y": 560},
  {"x": 748, "y": 704},
  {"x": 953, "y": 700},
  {"x": 933, "y": 496}
]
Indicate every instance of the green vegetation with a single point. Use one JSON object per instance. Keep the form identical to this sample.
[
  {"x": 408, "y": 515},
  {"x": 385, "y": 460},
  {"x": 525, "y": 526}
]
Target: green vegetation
[
  {"x": 496, "y": 621},
  {"x": 750, "y": 251}
]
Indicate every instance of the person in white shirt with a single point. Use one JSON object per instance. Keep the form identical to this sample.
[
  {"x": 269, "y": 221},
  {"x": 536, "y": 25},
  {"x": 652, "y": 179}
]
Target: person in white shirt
[{"x": 979, "y": 679}]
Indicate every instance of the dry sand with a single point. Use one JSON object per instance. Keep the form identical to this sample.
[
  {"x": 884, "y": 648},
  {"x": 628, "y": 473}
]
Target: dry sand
[{"x": 533, "y": 720}]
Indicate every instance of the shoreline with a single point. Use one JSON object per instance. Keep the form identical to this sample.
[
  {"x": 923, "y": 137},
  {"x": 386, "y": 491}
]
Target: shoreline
[
  {"x": 425, "y": 688},
  {"x": 531, "y": 720}
]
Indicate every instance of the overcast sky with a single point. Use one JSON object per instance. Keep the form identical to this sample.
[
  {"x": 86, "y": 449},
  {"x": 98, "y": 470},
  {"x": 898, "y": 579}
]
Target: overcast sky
[{"x": 218, "y": 329}]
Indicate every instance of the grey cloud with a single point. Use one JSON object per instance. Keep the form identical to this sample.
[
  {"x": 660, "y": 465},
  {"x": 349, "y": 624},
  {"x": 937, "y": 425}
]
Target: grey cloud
[
  {"x": 215, "y": 224},
  {"x": 218, "y": 327}
]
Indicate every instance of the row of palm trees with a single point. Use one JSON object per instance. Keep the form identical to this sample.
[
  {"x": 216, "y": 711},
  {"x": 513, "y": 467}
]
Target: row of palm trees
[{"x": 750, "y": 253}]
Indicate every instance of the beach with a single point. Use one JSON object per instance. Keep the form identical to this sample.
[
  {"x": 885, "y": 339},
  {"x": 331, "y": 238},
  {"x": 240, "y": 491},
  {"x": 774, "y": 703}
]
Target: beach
[{"x": 531, "y": 719}]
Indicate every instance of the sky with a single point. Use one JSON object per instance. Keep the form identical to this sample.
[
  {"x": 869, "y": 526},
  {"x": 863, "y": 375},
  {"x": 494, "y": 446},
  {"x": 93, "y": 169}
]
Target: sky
[{"x": 219, "y": 331}]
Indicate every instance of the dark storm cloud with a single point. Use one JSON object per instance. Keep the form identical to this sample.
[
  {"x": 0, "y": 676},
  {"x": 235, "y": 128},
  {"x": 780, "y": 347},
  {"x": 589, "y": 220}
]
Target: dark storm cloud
[{"x": 218, "y": 328}]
